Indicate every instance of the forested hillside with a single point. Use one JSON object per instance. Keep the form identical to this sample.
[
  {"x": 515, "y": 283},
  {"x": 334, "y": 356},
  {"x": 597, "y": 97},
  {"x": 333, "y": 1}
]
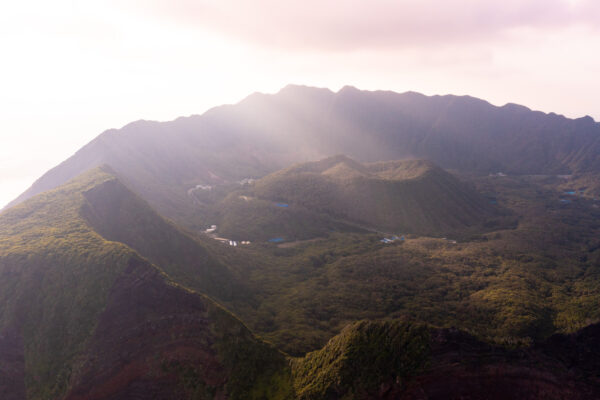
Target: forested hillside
[{"x": 83, "y": 317}]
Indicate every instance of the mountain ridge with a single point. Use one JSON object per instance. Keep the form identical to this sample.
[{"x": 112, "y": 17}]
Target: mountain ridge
[{"x": 265, "y": 132}]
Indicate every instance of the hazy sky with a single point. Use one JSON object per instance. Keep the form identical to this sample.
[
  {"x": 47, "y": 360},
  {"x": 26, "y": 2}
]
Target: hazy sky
[{"x": 71, "y": 69}]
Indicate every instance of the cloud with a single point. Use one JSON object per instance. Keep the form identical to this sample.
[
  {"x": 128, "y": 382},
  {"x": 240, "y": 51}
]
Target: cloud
[{"x": 356, "y": 24}]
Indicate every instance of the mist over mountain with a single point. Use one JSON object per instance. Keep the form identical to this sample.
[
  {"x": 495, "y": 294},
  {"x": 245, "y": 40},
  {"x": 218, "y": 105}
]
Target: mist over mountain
[{"x": 263, "y": 133}]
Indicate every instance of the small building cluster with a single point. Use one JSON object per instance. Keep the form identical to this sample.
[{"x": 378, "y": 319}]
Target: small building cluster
[
  {"x": 199, "y": 187},
  {"x": 392, "y": 239},
  {"x": 246, "y": 181},
  {"x": 571, "y": 193},
  {"x": 574, "y": 192},
  {"x": 233, "y": 243},
  {"x": 211, "y": 232}
]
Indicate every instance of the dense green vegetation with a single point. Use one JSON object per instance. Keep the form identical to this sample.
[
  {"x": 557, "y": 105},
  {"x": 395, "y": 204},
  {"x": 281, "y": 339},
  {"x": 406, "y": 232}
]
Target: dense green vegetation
[
  {"x": 257, "y": 371},
  {"x": 362, "y": 357},
  {"x": 56, "y": 276},
  {"x": 508, "y": 285}
]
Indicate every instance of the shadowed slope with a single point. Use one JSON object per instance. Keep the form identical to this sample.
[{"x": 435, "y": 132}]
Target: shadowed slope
[
  {"x": 90, "y": 318},
  {"x": 362, "y": 357},
  {"x": 400, "y": 360},
  {"x": 119, "y": 215}
]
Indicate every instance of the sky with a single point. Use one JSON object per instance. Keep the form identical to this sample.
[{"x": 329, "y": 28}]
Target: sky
[{"x": 70, "y": 69}]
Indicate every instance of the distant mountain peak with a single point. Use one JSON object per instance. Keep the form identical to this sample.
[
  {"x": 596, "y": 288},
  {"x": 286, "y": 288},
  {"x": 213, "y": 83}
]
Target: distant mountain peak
[
  {"x": 516, "y": 107},
  {"x": 295, "y": 89},
  {"x": 349, "y": 88}
]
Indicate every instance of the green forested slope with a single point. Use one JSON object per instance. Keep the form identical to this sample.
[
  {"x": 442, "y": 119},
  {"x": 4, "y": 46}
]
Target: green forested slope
[
  {"x": 362, "y": 357},
  {"x": 87, "y": 310},
  {"x": 507, "y": 285},
  {"x": 75, "y": 303}
]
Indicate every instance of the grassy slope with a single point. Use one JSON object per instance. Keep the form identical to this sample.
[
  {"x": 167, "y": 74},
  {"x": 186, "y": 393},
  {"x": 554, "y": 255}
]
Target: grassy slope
[{"x": 57, "y": 275}]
